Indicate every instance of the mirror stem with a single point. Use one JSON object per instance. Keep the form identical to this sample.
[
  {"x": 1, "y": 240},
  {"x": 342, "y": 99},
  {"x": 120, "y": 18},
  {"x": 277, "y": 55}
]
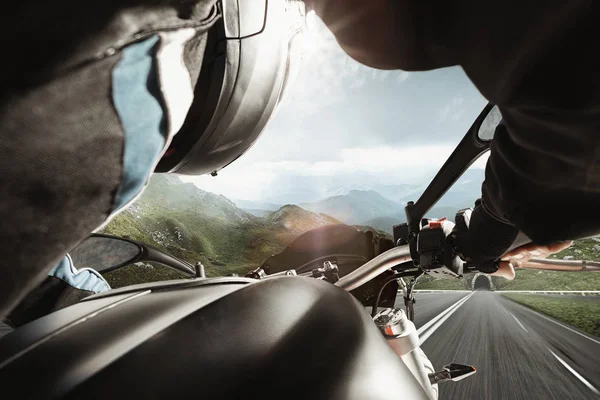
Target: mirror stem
[{"x": 200, "y": 270}]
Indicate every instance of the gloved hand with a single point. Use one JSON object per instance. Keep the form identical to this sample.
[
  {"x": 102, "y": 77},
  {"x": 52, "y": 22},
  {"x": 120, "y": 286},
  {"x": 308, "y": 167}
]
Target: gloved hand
[
  {"x": 517, "y": 257},
  {"x": 494, "y": 246},
  {"x": 483, "y": 239}
]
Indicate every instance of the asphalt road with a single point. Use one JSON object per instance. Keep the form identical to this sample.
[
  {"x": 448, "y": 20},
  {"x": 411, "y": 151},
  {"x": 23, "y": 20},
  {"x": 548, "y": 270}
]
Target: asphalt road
[
  {"x": 4, "y": 329},
  {"x": 518, "y": 353}
]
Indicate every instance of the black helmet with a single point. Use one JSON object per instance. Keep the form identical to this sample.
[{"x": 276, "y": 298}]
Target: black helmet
[{"x": 252, "y": 54}]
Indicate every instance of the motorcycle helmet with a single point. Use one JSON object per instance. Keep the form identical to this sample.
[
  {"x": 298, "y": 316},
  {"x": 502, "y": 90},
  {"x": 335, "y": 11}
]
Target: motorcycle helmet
[{"x": 252, "y": 55}]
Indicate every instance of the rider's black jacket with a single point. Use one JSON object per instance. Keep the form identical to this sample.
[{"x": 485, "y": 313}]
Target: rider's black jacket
[
  {"x": 59, "y": 170},
  {"x": 537, "y": 60}
]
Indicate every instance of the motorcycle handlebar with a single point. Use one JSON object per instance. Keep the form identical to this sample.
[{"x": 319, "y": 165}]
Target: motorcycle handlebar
[
  {"x": 375, "y": 267},
  {"x": 401, "y": 254},
  {"x": 561, "y": 265}
]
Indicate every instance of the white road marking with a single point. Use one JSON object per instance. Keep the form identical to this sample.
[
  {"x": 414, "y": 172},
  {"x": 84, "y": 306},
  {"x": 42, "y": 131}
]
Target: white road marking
[
  {"x": 436, "y": 318},
  {"x": 425, "y": 333},
  {"x": 564, "y": 326},
  {"x": 424, "y": 307},
  {"x": 518, "y": 322},
  {"x": 571, "y": 370},
  {"x": 504, "y": 308}
]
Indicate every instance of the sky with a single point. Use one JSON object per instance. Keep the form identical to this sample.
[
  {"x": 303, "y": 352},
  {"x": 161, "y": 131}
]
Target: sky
[{"x": 347, "y": 125}]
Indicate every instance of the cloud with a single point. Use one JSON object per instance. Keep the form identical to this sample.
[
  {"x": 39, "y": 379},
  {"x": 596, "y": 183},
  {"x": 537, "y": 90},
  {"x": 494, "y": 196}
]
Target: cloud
[
  {"x": 375, "y": 165},
  {"x": 348, "y": 124},
  {"x": 402, "y": 76},
  {"x": 328, "y": 74}
]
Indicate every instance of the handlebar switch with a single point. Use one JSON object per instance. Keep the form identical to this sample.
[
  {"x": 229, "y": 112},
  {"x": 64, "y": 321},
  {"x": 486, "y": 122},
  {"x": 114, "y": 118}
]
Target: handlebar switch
[{"x": 436, "y": 252}]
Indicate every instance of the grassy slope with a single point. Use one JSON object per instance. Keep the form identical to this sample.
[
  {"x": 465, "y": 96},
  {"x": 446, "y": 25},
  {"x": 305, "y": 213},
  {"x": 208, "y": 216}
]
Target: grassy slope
[
  {"x": 133, "y": 274},
  {"x": 584, "y": 249},
  {"x": 223, "y": 248},
  {"x": 580, "y": 313},
  {"x": 195, "y": 226},
  {"x": 550, "y": 280},
  {"x": 171, "y": 217}
]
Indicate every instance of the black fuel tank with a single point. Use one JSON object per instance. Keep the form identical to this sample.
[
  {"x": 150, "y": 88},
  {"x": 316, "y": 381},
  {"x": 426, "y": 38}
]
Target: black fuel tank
[{"x": 224, "y": 338}]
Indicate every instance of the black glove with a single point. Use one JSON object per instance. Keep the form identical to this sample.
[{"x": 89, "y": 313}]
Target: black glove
[{"x": 482, "y": 239}]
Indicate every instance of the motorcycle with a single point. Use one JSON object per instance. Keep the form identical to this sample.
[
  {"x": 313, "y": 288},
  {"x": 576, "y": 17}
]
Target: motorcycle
[{"x": 285, "y": 327}]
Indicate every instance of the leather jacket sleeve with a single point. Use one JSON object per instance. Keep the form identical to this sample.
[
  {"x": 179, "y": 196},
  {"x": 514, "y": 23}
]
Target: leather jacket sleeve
[{"x": 536, "y": 61}]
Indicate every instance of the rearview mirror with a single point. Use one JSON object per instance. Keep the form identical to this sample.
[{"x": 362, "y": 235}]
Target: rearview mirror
[
  {"x": 476, "y": 142},
  {"x": 488, "y": 126},
  {"x": 105, "y": 253}
]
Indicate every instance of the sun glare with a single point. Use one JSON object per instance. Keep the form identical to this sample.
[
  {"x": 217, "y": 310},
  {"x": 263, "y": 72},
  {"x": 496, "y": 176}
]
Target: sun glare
[{"x": 311, "y": 34}]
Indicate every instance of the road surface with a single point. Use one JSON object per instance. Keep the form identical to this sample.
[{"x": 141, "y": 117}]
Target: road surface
[
  {"x": 4, "y": 329},
  {"x": 519, "y": 354}
]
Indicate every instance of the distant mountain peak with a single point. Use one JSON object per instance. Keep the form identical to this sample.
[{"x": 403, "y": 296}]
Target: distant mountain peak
[
  {"x": 168, "y": 191},
  {"x": 295, "y": 218},
  {"x": 167, "y": 178},
  {"x": 356, "y": 207},
  {"x": 364, "y": 192},
  {"x": 289, "y": 211},
  {"x": 256, "y": 205},
  {"x": 225, "y": 199}
]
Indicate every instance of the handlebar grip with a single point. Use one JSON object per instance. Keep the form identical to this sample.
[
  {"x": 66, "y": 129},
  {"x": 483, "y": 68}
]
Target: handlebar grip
[
  {"x": 561, "y": 265},
  {"x": 482, "y": 239}
]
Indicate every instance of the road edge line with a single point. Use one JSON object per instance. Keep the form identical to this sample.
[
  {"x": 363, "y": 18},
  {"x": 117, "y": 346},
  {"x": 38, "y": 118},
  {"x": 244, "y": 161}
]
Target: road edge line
[
  {"x": 518, "y": 322},
  {"x": 556, "y": 322},
  {"x": 571, "y": 370}
]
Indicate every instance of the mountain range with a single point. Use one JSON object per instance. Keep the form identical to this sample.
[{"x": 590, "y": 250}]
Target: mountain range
[
  {"x": 356, "y": 207},
  {"x": 201, "y": 226},
  {"x": 196, "y": 225},
  {"x": 378, "y": 206},
  {"x": 230, "y": 236}
]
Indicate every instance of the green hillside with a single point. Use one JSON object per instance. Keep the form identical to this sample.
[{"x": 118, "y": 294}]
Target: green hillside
[
  {"x": 200, "y": 226},
  {"x": 577, "y": 312},
  {"x": 584, "y": 249},
  {"x": 195, "y": 225}
]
